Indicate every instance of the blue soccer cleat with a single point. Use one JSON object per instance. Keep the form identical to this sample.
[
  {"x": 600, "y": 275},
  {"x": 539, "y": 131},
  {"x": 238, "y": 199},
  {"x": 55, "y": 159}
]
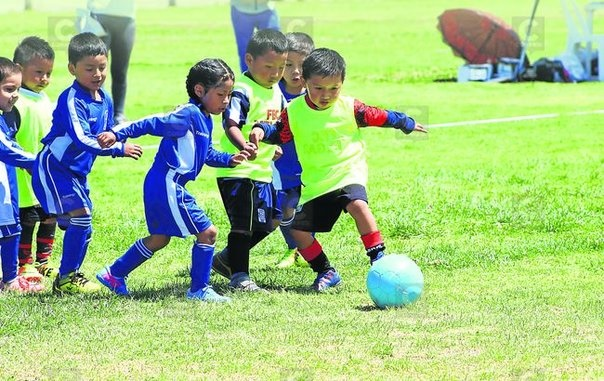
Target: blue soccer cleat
[
  {"x": 207, "y": 294},
  {"x": 326, "y": 279},
  {"x": 115, "y": 284}
]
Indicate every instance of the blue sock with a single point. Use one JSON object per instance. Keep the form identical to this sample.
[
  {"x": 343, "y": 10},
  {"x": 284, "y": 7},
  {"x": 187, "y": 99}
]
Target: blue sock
[
  {"x": 75, "y": 244},
  {"x": 286, "y": 228},
  {"x": 201, "y": 264},
  {"x": 135, "y": 256},
  {"x": 85, "y": 247},
  {"x": 9, "y": 256}
]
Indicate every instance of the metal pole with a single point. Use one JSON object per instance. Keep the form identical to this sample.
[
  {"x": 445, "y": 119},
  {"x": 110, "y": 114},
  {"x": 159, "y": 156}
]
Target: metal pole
[{"x": 526, "y": 41}]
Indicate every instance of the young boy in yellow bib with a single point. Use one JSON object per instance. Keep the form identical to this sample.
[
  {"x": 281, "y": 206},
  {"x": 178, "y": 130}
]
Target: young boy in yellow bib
[
  {"x": 246, "y": 190},
  {"x": 32, "y": 118},
  {"x": 326, "y": 129}
]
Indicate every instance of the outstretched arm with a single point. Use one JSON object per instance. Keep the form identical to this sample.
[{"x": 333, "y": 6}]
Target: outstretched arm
[
  {"x": 374, "y": 116},
  {"x": 12, "y": 154},
  {"x": 173, "y": 124}
]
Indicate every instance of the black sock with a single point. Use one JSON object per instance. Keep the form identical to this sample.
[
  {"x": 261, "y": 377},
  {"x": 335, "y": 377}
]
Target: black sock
[
  {"x": 25, "y": 254},
  {"x": 257, "y": 237},
  {"x": 44, "y": 241},
  {"x": 239, "y": 252},
  {"x": 373, "y": 252},
  {"x": 320, "y": 264}
]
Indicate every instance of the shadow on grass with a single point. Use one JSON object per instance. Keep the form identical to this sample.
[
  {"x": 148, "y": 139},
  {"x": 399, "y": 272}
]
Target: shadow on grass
[
  {"x": 292, "y": 279},
  {"x": 445, "y": 79},
  {"x": 368, "y": 308}
]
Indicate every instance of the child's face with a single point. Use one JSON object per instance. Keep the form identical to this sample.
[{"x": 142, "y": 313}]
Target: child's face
[
  {"x": 9, "y": 91},
  {"x": 293, "y": 70},
  {"x": 36, "y": 74},
  {"x": 266, "y": 69},
  {"x": 90, "y": 72},
  {"x": 323, "y": 91},
  {"x": 217, "y": 99}
]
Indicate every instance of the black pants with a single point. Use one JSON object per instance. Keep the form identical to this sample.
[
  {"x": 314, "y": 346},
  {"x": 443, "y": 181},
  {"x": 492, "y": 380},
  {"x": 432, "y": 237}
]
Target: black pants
[{"x": 119, "y": 40}]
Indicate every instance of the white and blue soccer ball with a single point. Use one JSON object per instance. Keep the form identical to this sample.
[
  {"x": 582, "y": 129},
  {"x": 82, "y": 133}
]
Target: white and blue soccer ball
[{"x": 394, "y": 280}]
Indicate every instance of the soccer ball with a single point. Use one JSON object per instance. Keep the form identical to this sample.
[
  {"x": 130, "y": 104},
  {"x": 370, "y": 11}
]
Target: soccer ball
[{"x": 394, "y": 280}]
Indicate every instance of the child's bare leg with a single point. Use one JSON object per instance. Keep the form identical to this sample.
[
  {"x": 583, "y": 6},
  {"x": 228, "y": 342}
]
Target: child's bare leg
[
  {"x": 303, "y": 239},
  {"x": 142, "y": 250},
  {"x": 364, "y": 219},
  {"x": 208, "y": 236},
  {"x": 367, "y": 227},
  {"x": 156, "y": 242}
]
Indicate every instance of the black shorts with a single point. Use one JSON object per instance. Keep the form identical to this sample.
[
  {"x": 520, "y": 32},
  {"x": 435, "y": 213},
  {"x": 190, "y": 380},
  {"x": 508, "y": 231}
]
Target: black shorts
[
  {"x": 250, "y": 205},
  {"x": 33, "y": 214},
  {"x": 321, "y": 213}
]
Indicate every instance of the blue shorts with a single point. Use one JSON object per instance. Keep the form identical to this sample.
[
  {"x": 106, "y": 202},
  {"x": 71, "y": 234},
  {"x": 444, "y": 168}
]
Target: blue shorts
[
  {"x": 288, "y": 198},
  {"x": 169, "y": 208},
  {"x": 58, "y": 189},
  {"x": 249, "y": 204}
]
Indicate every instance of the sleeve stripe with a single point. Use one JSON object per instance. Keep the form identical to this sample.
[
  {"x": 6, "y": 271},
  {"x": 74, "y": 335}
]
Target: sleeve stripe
[{"x": 77, "y": 126}]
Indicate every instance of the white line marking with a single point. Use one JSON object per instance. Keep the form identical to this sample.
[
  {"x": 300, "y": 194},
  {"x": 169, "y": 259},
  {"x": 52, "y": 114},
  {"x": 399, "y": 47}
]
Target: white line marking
[
  {"x": 513, "y": 119},
  {"x": 490, "y": 121}
]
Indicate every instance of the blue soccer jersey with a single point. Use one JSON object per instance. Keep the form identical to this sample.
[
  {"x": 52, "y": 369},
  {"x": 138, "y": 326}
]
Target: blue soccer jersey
[
  {"x": 11, "y": 156},
  {"x": 60, "y": 173},
  {"x": 76, "y": 121},
  {"x": 186, "y": 146}
]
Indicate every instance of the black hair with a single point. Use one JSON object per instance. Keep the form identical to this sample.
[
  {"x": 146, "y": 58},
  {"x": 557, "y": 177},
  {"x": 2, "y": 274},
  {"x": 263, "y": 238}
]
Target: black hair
[
  {"x": 7, "y": 68},
  {"x": 32, "y": 47},
  {"x": 265, "y": 40},
  {"x": 299, "y": 42},
  {"x": 325, "y": 63},
  {"x": 210, "y": 73},
  {"x": 85, "y": 45}
]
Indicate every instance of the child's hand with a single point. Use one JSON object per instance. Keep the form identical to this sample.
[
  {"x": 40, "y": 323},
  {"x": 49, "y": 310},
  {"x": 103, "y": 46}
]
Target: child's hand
[
  {"x": 106, "y": 139},
  {"x": 132, "y": 150},
  {"x": 278, "y": 153},
  {"x": 420, "y": 128},
  {"x": 256, "y": 135},
  {"x": 251, "y": 149},
  {"x": 238, "y": 158}
]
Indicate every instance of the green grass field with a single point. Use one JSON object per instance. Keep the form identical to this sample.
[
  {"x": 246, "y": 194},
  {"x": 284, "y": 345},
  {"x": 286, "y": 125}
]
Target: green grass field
[{"x": 504, "y": 219}]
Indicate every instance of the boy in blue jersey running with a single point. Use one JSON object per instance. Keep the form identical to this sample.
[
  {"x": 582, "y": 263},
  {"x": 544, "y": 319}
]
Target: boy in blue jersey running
[
  {"x": 170, "y": 210},
  {"x": 247, "y": 192},
  {"x": 286, "y": 174},
  {"x": 11, "y": 156},
  {"x": 331, "y": 150},
  {"x": 60, "y": 173}
]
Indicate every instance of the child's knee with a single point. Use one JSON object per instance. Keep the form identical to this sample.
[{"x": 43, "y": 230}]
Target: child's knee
[
  {"x": 156, "y": 242},
  {"x": 356, "y": 207},
  {"x": 208, "y": 236}
]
